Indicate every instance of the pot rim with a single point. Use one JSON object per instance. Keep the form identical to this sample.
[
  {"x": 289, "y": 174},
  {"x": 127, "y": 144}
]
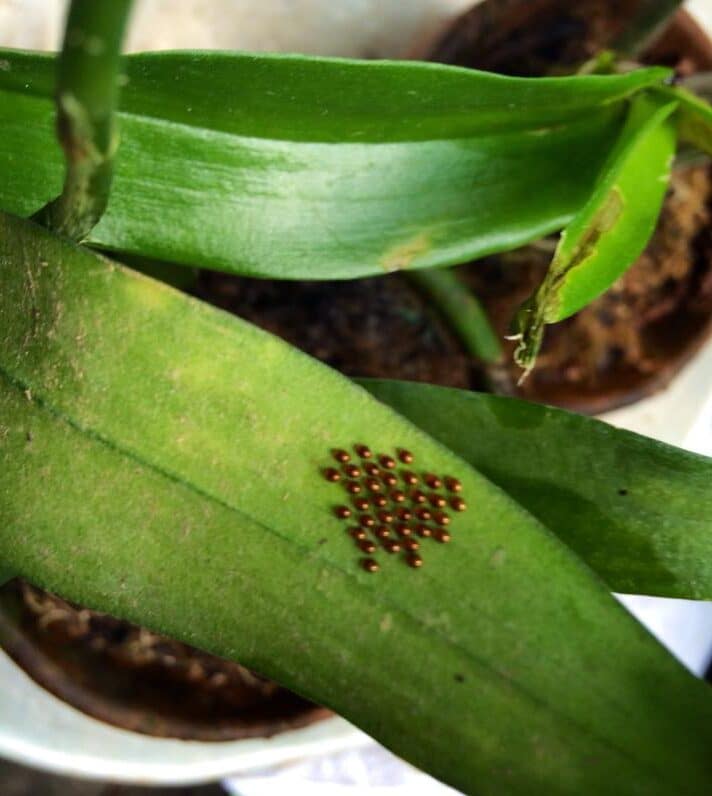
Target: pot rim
[{"x": 93, "y": 749}]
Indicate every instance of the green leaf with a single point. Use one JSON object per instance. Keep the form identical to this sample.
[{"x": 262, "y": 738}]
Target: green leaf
[
  {"x": 694, "y": 117},
  {"x": 612, "y": 228},
  {"x": 293, "y": 167},
  {"x": 637, "y": 511},
  {"x": 160, "y": 460}
]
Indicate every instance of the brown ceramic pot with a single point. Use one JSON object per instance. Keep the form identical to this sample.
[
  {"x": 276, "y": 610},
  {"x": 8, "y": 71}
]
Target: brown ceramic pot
[{"x": 139, "y": 681}]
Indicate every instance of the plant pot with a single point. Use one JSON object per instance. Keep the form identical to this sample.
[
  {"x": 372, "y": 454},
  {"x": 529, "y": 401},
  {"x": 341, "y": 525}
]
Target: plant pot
[
  {"x": 634, "y": 339},
  {"x": 136, "y": 680}
]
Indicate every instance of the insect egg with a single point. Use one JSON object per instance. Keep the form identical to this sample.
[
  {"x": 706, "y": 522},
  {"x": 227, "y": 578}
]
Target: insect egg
[
  {"x": 394, "y": 511},
  {"x": 366, "y": 545},
  {"x": 458, "y": 504}
]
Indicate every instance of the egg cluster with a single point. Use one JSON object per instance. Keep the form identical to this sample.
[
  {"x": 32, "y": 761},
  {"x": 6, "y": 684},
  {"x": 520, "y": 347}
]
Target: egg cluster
[{"x": 392, "y": 507}]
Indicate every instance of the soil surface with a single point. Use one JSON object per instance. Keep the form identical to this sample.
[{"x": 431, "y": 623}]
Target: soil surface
[
  {"x": 634, "y": 337},
  {"x": 529, "y": 38},
  {"x": 378, "y": 327}
]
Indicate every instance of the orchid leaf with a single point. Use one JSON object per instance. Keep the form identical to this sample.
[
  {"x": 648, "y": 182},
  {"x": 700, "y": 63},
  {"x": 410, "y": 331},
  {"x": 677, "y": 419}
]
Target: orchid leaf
[
  {"x": 637, "y": 511},
  {"x": 694, "y": 117},
  {"x": 314, "y": 168},
  {"x": 164, "y": 461},
  {"x": 613, "y": 226}
]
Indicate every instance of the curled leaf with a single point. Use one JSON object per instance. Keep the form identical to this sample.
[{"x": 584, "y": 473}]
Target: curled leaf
[{"x": 612, "y": 227}]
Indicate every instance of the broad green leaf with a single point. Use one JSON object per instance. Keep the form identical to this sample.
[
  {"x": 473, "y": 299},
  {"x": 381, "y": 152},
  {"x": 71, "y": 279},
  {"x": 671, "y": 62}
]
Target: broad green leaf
[
  {"x": 612, "y": 228},
  {"x": 293, "y": 167},
  {"x": 160, "y": 460},
  {"x": 637, "y": 511}
]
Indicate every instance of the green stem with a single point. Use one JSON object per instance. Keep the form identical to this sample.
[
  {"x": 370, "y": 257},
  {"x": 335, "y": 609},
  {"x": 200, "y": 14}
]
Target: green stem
[
  {"x": 461, "y": 310},
  {"x": 87, "y": 93},
  {"x": 647, "y": 23}
]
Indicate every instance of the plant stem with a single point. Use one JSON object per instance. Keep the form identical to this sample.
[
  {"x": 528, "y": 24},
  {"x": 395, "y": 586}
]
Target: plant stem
[
  {"x": 461, "y": 310},
  {"x": 86, "y": 96},
  {"x": 645, "y": 25}
]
